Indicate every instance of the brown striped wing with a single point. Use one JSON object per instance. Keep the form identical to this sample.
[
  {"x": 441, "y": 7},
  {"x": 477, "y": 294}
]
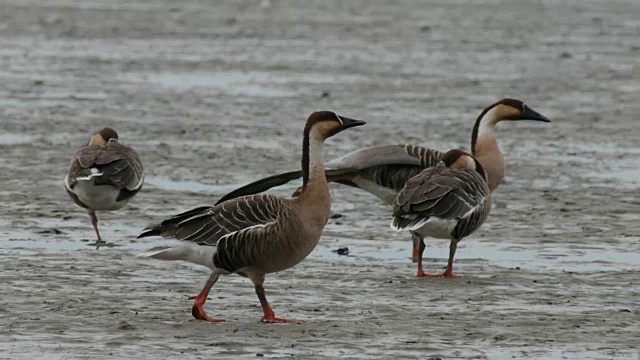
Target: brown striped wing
[
  {"x": 450, "y": 194},
  {"x": 119, "y": 164},
  {"x": 207, "y": 225},
  {"x": 388, "y": 165}
]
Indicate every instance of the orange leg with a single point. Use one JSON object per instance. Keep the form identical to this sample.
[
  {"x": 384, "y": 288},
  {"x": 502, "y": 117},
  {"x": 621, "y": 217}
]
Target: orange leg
[
  {"x": 417, "y": 240},
  {"x": 269, "y": 315},
  {"x": 94, "y": 222},
  {"x": 449, "y": 272},
  {"x": 421, "y": 247},
  {"x": 452, "y": 252},
  {"x": 198, "y": 310}
]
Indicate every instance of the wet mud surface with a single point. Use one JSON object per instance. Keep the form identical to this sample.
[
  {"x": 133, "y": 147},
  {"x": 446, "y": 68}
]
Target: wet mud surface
[{"x": 213, "y": 96}]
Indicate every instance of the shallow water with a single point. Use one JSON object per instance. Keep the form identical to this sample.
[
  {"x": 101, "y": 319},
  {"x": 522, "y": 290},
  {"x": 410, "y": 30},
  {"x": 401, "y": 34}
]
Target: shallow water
[
  {"x": 188, "y": 185},
  {"x": 369, "y": 253},
  {"x": 13, "y": 139}
]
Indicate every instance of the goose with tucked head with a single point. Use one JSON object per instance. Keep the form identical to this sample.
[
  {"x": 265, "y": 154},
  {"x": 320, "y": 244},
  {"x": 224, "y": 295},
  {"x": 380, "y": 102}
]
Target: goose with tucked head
[
  {"x": 104, "y": 175},
  {"x": 447, "y": 201},
  {"x": 256, "y": 235}
]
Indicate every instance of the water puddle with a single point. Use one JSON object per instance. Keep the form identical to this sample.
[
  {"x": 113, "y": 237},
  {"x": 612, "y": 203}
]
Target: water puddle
[
  {"x": 398, "y": 252},
  {"x": 555, "y": 354},
  {"x": 625, "y": 175},
  {"x": 391, "y": 252},
  {"x": 14, "y": 139},
  {"x": 188, "y": 185},
  {"x": 71, "y": 245},
  {"x": 195, "y": 186},
  {"x": 75, "y": 234},
  {"x": 66, "y": 235},
  {"x": 607, "y": 149}
]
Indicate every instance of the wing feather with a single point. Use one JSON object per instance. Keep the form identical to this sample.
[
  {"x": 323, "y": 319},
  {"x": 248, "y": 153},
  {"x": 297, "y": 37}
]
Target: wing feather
[
  {"x": 207, "y": 225},
  {"x": 119, "y": 165},
  {"x": 449, "y": 194}
]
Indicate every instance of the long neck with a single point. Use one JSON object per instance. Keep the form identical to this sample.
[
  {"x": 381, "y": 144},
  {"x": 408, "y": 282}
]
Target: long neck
[
  {"x": 312, "y": 164},
  {"x": 485, "y": 147},
  {"x": 315, "y": 192}
]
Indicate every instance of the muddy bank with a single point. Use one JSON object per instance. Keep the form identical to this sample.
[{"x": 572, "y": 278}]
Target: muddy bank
[{"x": 215, "y": 95}]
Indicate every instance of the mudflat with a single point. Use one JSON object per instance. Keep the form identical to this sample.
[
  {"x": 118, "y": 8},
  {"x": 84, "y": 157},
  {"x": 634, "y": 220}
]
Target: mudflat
[{"x": 215, "y": 94}]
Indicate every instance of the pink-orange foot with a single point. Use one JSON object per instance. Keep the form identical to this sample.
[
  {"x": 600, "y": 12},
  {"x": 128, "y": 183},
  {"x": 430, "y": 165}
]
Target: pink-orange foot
[
  {"x": 270, "y": 317},
  {"x": 424, "y": 274},
  {"x": 447, "y": 274},
  {"x": 198, "y": 312},
  {"x": 443, "y": 275},
  {"x": 276, "y": 320}
]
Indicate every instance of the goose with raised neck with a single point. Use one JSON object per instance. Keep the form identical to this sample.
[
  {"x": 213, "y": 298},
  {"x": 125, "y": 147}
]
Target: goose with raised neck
[
  {"x": 257, "y": 234},
  {"x": 383, "y": 170}
]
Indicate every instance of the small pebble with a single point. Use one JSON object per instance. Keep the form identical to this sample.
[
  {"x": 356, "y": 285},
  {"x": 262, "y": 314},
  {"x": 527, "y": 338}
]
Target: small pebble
[{"x": 342, "y": 251}]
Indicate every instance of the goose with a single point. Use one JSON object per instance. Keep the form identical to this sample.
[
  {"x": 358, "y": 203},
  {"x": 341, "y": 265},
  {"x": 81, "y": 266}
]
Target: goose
[
  {"x": 256, "y": 235},
  {"x": 383, "y": 170},
  {"x": 448, "y": 201},
  {"x": 104, "y": 175}
]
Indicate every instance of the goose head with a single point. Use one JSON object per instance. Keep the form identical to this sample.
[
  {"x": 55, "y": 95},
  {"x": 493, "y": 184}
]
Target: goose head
[
  {"x": 324, "y": 124},
  {"x": 103, "y": 136},
  {"x": 503, "y": 110},
  {"x": 458, "y": 159},
  {"x": 512, "y": 109}
]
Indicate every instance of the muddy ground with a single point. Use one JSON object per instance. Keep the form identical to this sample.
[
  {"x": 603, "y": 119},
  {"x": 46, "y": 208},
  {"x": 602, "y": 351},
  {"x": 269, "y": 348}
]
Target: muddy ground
[{"x": 214, "y": 95}]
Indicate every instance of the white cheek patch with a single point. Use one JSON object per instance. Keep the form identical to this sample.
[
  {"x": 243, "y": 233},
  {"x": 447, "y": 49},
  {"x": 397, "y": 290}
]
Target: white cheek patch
[{"x": 471, "y": 164}]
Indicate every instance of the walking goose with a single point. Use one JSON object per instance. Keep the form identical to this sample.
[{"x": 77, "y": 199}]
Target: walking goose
[
  {"x": 383, "y": 170},
  {"x": 258, "y": 234},
  {"x": 104, "y": 175},
  {"x": 448, "y": 201}
]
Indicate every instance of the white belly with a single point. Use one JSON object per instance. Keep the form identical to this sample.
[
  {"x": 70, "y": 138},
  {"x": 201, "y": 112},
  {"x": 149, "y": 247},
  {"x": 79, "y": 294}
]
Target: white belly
[
  {"x": 381, "y": 192},
  {"x": 102, "y": 197},
  {"x": 438, "y": 228}
]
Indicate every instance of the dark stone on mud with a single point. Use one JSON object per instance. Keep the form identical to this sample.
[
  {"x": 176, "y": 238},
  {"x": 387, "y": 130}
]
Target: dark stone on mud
[
  {"x": 341, "y": 251},
  {"x": 51, "y": 231}
]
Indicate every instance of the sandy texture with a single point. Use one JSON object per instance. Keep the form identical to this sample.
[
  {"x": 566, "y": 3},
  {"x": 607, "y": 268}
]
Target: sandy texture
[{"x": 213, "y": 96}]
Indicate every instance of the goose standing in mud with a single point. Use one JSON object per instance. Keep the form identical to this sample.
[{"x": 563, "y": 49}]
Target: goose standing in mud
[
  {"x": 259, "y": 234},
  {"x": 104, "y": 175},
  {"x": 447, "y": 201},
  {"x": 384, "y": 170}
]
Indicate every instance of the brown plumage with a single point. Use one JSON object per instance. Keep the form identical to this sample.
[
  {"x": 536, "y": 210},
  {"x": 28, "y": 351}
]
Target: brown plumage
[
  {"x": 258, "y": 234},
  {"x": 450, "y": 200},
  {"x": 104, "y": 175},
  {"x": 383, "y": 170}
]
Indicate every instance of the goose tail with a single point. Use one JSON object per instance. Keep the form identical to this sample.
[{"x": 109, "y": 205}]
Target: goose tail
[
  {"x": 410, "y": 222},
  {"x": 200, "y": 255}
]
